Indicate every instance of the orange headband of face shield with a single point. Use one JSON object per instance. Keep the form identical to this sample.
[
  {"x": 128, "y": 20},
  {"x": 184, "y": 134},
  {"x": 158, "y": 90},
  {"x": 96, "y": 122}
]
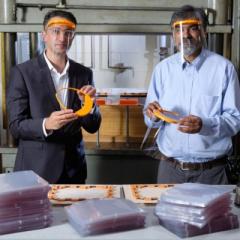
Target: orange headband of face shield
[
  {"x": 61, "y": 21},
  {"x": 187, "y": 21}
]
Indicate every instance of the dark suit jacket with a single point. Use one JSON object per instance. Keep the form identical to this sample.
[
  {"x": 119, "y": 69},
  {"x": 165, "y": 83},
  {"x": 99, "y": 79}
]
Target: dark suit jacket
[{"x": 30, "y": 99}]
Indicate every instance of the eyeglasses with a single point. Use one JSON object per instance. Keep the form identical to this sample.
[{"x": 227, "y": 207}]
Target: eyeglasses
[{"x": 66, "y": 33}]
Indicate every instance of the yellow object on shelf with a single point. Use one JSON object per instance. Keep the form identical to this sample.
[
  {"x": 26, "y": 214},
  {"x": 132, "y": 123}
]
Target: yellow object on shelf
[{"x": 85, "y": 109}]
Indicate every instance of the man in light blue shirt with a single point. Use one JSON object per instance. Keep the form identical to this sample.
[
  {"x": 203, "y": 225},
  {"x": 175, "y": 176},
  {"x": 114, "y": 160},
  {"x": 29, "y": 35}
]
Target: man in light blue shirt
[{"x": 203, "y": 88}]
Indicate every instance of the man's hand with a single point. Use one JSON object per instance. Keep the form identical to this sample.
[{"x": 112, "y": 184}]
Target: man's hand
[
  {"x": 151, "y": 107},
  {"x": 58, "y": 119},
  {"x": 87, "y": 89},
  {"x": 190, "y": 124}
]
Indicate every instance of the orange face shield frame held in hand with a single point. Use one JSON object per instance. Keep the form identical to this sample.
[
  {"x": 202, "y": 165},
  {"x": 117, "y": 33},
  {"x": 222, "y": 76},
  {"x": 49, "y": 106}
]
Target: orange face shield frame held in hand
[
  {"x": 167, "y": 116},
  {"x": 85, "y": 109}
]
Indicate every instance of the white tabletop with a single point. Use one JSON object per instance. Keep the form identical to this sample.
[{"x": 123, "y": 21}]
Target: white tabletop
[{"x": 61, "y": 229}]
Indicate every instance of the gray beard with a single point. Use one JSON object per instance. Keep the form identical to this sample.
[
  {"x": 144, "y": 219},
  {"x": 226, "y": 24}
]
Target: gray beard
[
  {"x": 189, "y": 47},
  {"x": 189, "y": 50}
]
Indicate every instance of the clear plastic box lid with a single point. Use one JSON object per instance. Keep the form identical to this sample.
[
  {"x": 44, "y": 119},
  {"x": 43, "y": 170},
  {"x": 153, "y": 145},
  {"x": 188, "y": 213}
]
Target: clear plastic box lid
[
  {"x": 30, "y": 227},
  {"x": 24, "y": 220},
  {"x": 22, "y": 185},
  {"x": 96, "y": 211},
  {"x": 12, "y": 213},
  {"x": 220, "y": 206},
  {"x": 194, "y": 194},
  {"x": 108, "y": 226},
  {"x": 199, "y": 221},
  {"x": 105, "y": 215},
  {"x": 111, "y": 223},
  {"x": 18, "y": 200},
  {"x": 221, "y": 223},
  {"x": 31, "y": 222},
  {"x": 27, "y": 203}
]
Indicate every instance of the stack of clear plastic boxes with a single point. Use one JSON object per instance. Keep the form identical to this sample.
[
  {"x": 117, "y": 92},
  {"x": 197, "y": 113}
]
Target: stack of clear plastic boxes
[
  {"x": 23, "y": 202},
  {"x": 191, "y": 209},
  {"x": 97, "y": 216}
]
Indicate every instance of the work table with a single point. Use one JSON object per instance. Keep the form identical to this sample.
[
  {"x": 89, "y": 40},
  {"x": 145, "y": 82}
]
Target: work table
[{"x": 61, "y": 229}]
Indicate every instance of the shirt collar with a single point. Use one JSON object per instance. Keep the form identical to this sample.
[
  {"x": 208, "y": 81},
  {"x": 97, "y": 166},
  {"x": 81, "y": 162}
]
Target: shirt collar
[
  {"x": 197, "y": 62},
  {"x": 53, "y": 69}
]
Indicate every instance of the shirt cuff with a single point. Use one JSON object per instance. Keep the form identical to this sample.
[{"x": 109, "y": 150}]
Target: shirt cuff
[
  {"x": 209, "y": 127},
  {"x": 153, "y": 122},
  {"x": 93, "y": 109},
  {"x": 46, "y": 134}
]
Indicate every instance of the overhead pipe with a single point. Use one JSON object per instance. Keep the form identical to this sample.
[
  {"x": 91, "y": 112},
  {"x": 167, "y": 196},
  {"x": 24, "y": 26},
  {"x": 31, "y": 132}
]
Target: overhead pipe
[{"x": 62, "y": 4}]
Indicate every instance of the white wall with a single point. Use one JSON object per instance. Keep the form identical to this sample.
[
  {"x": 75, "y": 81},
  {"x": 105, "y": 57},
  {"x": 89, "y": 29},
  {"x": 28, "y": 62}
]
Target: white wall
[{"x": 119, "y": 61}]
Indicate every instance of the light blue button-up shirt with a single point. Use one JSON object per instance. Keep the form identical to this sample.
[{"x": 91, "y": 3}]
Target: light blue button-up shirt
[{"x": 208, "y": 88}]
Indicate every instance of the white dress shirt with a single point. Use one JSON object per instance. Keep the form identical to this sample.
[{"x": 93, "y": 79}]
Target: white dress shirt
[{"x": 60, "y": 81}]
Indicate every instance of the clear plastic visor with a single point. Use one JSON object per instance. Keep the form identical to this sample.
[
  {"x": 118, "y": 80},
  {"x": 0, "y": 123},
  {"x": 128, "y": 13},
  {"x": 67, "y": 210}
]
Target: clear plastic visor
[{"x": 189, "y": 37}]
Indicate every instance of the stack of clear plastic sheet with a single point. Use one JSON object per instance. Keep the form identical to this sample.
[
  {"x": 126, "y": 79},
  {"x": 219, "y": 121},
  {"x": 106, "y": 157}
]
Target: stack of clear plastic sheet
[
  {"x": 97, "y": 216},
  {"x": 191, "y": 209},
  {"x": 24, "y": 204}
]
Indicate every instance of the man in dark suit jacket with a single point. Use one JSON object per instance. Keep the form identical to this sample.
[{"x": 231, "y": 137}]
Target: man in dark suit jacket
[{"x": 50, "y": 139}]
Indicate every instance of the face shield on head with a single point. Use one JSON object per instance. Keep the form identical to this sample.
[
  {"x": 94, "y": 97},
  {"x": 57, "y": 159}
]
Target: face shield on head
[
  {"x": 189, "y": 37},
  {"x": 56, "y": 24}
]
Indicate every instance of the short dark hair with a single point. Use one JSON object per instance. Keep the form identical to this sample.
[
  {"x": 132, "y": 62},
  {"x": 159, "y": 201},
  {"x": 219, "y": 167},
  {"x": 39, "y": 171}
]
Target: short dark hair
[
  {"x": 188, "y": 11},
  {"x": 59, "y": 13}
]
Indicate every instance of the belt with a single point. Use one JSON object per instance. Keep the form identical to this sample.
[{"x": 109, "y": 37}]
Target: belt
[{"x": 195, "y": 166}]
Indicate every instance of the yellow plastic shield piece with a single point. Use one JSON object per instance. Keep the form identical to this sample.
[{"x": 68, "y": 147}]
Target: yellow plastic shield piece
[
  {"x": 187, "y": 21},
  {"x": 87, "y": 106},
  {"x": 61, "y": 21},
  {"x": 165, "y": 118}
]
